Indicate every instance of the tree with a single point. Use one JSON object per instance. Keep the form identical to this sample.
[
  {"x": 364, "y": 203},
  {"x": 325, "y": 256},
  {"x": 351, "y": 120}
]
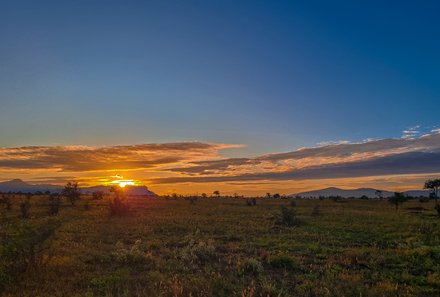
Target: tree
[
  {"x": 268, "y": 195},
  {"x": 276, "y": 196},
  {"x": 54, "y": 203},
  {"x": 117, "y": 205},
  {"x": 98, "y": 195},
  {"x": 216, "y": 193},
  {"x": 379, "y": 194},
  {"x": 397, "y": 199},
  {"x": 72, "y": 192},
  {"x": 204, "y": 195},
  {"x": 25, "y": 205},
  {"x": 433, "y": 184}
]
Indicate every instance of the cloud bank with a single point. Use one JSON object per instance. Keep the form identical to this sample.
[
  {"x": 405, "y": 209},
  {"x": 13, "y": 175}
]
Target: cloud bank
[{"x": 200, "y": 162}]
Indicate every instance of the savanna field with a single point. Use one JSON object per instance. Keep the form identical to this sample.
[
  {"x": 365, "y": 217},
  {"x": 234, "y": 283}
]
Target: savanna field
[{"x": 220, "y": 247}]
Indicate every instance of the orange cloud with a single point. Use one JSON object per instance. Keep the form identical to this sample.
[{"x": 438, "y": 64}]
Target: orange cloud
[{"x": 198, "y": 166}]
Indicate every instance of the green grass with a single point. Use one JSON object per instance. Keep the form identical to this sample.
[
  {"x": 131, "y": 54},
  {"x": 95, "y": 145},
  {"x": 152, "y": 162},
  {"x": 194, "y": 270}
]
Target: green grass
[{"x": 220, "y": 247}]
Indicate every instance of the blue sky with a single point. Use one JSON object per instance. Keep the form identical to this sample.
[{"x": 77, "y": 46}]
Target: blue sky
[{"x": 275, "y": 76}]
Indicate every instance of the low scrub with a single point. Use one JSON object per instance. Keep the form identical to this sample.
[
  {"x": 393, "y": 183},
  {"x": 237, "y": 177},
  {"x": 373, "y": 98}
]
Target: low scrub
[{"x": 288, "y": 217}]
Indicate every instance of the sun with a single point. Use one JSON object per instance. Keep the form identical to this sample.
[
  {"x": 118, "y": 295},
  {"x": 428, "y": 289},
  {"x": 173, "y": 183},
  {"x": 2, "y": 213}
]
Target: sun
[{"x": 123, "y": 182}]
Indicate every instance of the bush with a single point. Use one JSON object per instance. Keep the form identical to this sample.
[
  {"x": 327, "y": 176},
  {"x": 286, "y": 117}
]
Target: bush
[
  {"x": 133, "y": 254},
  {"x": 6, "y": 201},
  {"x": 251, "y": 201},
  {"x": 284, "y": 261},
  {"x": 437, "y": 208},
  {"x": 397, "y": 199},
  {"x": 198, "y": 250},
  {"x": 72, "y": 192},
  {"x": 292, "y": 203},
  {"x": 288, "y": 217},
  {"x": 97, "y": 195},
  {"x": 25, "y": 206},
  {"x": 54, "y": 204},
  {"x": 316, "y": 211},
  {"x": 251, "y": 266},
  {"x": 118, "y": 207}
]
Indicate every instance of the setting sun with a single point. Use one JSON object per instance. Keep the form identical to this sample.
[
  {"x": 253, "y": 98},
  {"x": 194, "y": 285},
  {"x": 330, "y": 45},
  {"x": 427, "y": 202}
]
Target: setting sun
[{"x": 123, "y": 183}]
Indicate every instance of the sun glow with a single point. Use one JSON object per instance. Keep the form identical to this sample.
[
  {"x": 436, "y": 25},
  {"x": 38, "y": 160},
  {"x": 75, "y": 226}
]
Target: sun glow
[{"x": 123, "y": 182}]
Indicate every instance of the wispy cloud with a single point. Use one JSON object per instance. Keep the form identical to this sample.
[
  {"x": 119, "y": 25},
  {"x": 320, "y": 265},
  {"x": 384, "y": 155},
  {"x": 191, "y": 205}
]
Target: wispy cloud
[
  {"x": 82, "y": 158},
  {"x": 412, "y": 132}
]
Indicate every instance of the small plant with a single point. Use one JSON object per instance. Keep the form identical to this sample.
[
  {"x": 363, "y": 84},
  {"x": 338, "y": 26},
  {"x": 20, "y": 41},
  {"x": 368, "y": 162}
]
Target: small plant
[
  {"x": 427, "y": 229},
  {"x": 54, "y": 203},
  {"x": 316, "y": 211},
  {"x": 198, "y": 250},
  {"x": 133, "y": 254},
  {"x": 72, "y": 192},
  {"x": 87, "y": 205},
  {"x": 288, "y": 217},
  {"x": 25, "y": 206},
  {"x": 437, "y": 208},
  {"x": 397, "y": 199},
  {"x": 6, "y": 201},
  {"x": 191, "y": 199},
  {"x": 117, "y": 205},
  {"x": 284, "y": 262},
  {"x": 251, "y": 266},
  {"x": 251, "y": 201},
  {"x": 98, "y": 195}
]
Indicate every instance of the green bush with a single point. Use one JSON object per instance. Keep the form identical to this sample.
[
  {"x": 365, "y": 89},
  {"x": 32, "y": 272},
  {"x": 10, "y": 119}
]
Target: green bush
[{"x": 251, "y": 266}]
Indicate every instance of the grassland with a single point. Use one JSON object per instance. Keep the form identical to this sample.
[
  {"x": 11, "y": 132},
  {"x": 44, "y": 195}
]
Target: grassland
[{"x": 220, "y": 247}]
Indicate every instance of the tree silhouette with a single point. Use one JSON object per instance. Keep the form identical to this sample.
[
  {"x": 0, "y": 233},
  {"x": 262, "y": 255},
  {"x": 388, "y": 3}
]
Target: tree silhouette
[
  {"x": 379, "y": 194},
  {"x": 216, "y": 193},
  {"x": 433, "y": 184},
  {"x": 72, "y": 192},
  {"x": 397, "y": 199}
]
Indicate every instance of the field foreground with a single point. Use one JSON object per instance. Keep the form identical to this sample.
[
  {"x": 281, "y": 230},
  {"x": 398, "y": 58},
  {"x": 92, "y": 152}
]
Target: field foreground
[{"x": 220, "y": 247}]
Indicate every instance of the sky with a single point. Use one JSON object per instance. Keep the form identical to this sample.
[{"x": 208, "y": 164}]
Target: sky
[{"x": 193, "y": 96}]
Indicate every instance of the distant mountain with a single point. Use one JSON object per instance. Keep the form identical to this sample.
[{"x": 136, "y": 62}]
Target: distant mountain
[
  {"x": 129, "y": 190},
  {"x": 17, "y": 185},
  {"x": 357, "y": 193}
]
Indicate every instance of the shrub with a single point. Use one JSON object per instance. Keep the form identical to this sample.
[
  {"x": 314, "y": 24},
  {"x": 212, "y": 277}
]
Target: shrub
[
  {"x": 97, "y": 195},
  {"x": 284, "y": 261},
  {"x": 25, "y": 206},
  {"x": 437, "y": 208},
  {"x": 288, "y": 217},
  {"x": 6, "y": 202},
  {"x": 198, "y": 250},
  {"x": 133, "y": 254},
  {"x": 191, "y": 199},
  {"x": 251, "y": 201},
  {"x": 316, "y": 211},
  {"x": 292, "y": 203},
  {"x": 251, "y": 266},
  {"x": 397, "y": 199},
  {"x": 428, "y": 230},
  {"x": 54, "y": 204},
  {"x": 72, "y": 192},
  {"x": 118, "y": 207}
]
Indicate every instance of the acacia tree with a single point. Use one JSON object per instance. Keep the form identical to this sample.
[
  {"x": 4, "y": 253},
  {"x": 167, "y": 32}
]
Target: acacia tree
[
  {"x": 379, "y": 194},
  {"x": 72, "y": 192},
  {"x": 216, "y": 193},
  {"x": 397, "y": 199},
  {"x": 433, "y": 184}
]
